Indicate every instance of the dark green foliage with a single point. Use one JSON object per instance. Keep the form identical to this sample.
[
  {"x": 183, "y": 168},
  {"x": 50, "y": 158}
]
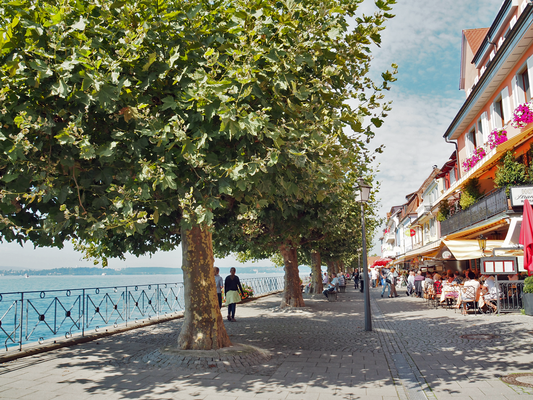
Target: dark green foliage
[
  {"x": 470, "y": 194},
  {"x": 511, "y": 172},
  {"x": 444, "y": 210}
]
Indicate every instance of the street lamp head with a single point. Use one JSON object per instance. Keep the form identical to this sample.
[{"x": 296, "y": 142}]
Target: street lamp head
[
  {"x": 364, "y": 190},
  {"x": 482, "y": 242}
]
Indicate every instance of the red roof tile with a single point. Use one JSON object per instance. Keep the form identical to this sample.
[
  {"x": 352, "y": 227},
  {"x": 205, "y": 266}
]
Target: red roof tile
[{"x": 475, "y": 37}]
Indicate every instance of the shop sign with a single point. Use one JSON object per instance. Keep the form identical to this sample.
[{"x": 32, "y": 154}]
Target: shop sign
[
  {"x": 499, "y": 265},
  {"x": 519, "y": 194}
]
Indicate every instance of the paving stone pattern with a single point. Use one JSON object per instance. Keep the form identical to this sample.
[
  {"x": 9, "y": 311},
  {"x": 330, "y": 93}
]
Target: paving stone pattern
[{"x": 317, "y": 352}]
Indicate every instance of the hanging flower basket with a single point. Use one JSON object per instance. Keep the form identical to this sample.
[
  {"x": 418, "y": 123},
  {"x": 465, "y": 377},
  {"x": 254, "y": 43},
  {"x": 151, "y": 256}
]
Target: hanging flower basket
[
  {"x": 523, "y": 115},
  {"x": 497, "y": 137},
  {"x": 478, "y": 155}
]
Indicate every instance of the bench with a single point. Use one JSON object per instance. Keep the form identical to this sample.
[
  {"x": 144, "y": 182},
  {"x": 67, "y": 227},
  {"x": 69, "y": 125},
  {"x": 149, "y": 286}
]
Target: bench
[
  {"x": 332, "y": 296},
  {"x": 342, "y": 289}
]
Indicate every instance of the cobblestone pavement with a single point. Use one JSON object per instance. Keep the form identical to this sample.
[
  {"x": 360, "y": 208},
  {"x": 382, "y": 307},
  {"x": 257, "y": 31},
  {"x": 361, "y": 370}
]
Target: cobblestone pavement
[{"x": 317, "y": 352}]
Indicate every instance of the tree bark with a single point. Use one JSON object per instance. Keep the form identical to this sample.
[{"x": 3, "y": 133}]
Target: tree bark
[
  {"x": 203, "y": 327},
  {"x": 292, "y": 294},
  {"x": 331, "y": 268},
  {"x": 316, "y": 269}
]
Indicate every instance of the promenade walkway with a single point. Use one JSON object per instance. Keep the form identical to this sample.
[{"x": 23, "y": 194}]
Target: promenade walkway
[{"x": 318, "y": 352}]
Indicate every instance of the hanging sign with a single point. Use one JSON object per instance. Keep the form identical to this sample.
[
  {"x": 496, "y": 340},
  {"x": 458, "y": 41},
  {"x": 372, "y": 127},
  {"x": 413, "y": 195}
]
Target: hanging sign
[
  {"x": 499, "y": 266},
  {"x": 412, "y": 232},
  {"x": 519, "y": 194}
]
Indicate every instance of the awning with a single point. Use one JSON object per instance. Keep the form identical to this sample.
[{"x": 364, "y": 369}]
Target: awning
[{"x": 469, "y": 249}]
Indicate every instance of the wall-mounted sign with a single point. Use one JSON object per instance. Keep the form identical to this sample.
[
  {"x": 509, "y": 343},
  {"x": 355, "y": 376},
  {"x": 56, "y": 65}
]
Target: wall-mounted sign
[
  {"x": 519, "y": 194},
  {"x": 499, "y": 265},
  {"x": 446, "y": 254}
]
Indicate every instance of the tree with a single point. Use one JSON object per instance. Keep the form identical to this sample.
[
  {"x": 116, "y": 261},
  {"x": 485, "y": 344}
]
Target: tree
[{"x": 128, "y": 126}]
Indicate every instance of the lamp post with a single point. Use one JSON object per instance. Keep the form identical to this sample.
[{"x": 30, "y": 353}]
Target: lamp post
[{"x": 364, "y": 190}]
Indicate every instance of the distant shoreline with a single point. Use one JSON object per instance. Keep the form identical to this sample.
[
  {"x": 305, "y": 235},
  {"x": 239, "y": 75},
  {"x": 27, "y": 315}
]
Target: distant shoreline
[{"x": 93, "y": 271}]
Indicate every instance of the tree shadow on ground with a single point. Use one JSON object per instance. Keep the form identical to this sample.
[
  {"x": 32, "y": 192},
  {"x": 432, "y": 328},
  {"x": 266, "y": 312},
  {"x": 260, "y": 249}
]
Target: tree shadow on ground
[{"x": 320, "y": 348}]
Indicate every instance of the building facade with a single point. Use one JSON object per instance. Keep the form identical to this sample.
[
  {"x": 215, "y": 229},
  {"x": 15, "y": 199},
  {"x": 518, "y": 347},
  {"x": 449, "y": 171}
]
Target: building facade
[{"x": 471, "y": 195}]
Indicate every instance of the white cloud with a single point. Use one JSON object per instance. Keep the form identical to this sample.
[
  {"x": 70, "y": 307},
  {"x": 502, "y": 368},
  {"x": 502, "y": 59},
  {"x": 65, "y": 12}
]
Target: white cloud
[{"x": 424, "y": 39}]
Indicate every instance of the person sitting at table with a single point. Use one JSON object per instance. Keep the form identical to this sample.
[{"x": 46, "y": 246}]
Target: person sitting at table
[
  {"x": 331, "y": 285},
  {"x": 428, "y": 281},
  {"x": 449, "y": 277},
  {"x": 472, "y": 282},
  {"x": 437, "y": 284},
  {"x": 513, "y": 277},
  {"x": 457, "y": 278},
  {"x": 490, "y": 293}
]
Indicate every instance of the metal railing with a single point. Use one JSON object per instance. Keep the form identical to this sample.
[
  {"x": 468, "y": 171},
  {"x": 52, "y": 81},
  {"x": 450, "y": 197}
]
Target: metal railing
[
  {"x": 511, "y": 296},
  {"x": 489, "y": 205},
  {"x": 35, "y": 317}
]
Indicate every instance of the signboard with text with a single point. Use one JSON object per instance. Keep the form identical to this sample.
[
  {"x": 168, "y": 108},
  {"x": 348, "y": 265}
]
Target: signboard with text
[
  {"x": 519, "y": 194},
  {"x": 499, "y": 266}
]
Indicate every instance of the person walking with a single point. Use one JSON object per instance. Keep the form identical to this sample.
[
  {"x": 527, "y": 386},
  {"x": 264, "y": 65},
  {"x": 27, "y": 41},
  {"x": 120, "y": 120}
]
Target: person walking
[
  {"x": 375, "y": 275},
  {"x": 392, "y": 277},
  {"x": 385, "y": 280},
  {"x": 219, "y": 283},
  {"x": 356, "y": 279},
  {"x": 232, "y": 286}
]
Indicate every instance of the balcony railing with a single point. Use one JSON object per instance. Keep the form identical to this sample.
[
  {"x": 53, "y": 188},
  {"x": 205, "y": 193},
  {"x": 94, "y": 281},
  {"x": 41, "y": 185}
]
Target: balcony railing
[{"x": 489, "y": 205}]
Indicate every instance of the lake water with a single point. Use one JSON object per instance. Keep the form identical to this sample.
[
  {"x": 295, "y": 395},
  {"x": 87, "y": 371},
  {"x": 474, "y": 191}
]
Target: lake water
[{"x": 53, "y": 307}]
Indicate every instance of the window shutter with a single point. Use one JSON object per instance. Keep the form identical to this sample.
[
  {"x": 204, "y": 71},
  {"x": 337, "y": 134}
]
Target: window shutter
[
  {"x": 513, "y": 22},
  {"x": 485, "y": 126},
  {"x": 530, "y": 73},
  {"x": 493, "y": 123},
  {"x": 515, "y": 92},
  {"x": 506, "y": 105},
  {"x": 469, "y": 144}
]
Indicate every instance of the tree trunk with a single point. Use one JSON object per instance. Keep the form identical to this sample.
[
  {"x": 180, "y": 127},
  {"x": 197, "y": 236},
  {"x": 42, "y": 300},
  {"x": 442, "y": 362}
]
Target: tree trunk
[
  {"x": 292, "y": 294},
  {"x": 316, "y": 269},
  {"x": 203, "y": 327},
  {"x": 331, "y": 269}
]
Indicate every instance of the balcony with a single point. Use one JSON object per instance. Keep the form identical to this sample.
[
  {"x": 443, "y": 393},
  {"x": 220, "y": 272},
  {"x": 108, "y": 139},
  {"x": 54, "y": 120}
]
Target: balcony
[
  {"x": 390, "y": 237},
  {"x": 424, "y": 209},
  {"x": 489, "y": 205}
]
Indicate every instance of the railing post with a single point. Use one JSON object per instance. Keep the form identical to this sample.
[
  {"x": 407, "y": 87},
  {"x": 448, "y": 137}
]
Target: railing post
[
  {"x": 21, "y": 319},
  {"x": 126, "y": 303},
  {"x": 83, "y": 314}
]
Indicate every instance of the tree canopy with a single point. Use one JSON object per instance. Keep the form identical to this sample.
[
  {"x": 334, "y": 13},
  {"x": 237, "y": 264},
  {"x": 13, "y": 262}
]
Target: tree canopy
[{"x": 130, "y": 126}]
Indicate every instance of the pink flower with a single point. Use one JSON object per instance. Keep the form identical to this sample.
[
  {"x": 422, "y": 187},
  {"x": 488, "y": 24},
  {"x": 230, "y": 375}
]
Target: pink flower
[
  {"x": 496, "y": 138},
  {"x": 478, "y": 155},
  {"x": 523, "y": 115}
]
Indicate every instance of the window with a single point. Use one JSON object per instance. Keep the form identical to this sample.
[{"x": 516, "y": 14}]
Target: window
[
  {"x": 432, "y": 227},
  {"x": 500, "y": 110},
  {"x": 498, "y": 121},
  {"x": 470, "y": 142},
  {"x": 453, "y": 175},
  {"x": 522, "y": 84}
]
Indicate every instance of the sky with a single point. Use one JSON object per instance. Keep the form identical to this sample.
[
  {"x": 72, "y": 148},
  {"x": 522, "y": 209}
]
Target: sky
[{"x": 424, "y": 39}]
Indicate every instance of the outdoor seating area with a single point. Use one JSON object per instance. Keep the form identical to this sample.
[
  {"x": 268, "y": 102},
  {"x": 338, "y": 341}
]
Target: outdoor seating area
[{"x": 472, "y": 294}]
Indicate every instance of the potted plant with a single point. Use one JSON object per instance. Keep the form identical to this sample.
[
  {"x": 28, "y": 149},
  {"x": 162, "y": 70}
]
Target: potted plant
[{"x": 527, "y": 296}]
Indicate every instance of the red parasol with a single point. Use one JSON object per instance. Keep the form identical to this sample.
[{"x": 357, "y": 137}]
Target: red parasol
[
  {"x": 381, "y": 262},
  {"x": 526, "y": 236}
]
